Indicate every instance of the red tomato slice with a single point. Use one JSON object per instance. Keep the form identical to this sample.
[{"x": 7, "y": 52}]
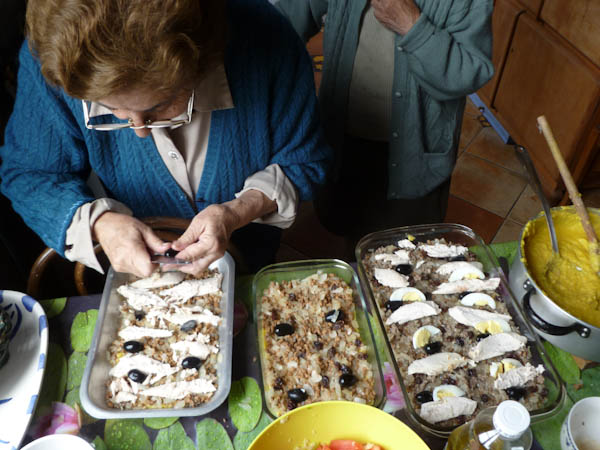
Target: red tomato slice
[
  {"x": 345, "y": 444},
  {"x": 323, "y": 447}
]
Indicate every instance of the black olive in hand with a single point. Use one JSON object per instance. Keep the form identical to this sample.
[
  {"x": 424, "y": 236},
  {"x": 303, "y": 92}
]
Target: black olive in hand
[{"x": 171, "y": 253}]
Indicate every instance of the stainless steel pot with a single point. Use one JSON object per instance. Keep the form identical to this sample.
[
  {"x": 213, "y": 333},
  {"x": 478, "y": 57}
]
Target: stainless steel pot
[{"x": 548, "y": 319}]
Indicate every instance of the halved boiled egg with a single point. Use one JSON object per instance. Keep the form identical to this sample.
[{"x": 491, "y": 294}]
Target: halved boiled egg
[
  {"x": 496, "y": 368},
  {"x": 422, "y": 336},
  {"x": 447, "y": 390},
  {"x": 469, "y": 272},
  {"x": 493, "y": 326},
  {"x": 478, "y": 299},
  {"x": 408, "y": 294}
]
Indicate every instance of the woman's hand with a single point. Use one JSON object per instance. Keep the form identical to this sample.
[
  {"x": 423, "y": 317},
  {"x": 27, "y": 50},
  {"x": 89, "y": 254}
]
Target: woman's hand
[
  {"x": 126, "y": 241},
  {"x": 397, "y": 15},
  {"x": 207, "y": 237}
]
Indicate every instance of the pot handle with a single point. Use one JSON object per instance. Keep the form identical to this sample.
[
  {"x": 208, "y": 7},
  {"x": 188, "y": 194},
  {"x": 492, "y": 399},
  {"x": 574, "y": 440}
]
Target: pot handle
[{"x": 546, "y": 327}]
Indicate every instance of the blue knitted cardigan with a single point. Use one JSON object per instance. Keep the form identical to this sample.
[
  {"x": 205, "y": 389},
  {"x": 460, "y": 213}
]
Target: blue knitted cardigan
[{"x": 48, "y": 152}]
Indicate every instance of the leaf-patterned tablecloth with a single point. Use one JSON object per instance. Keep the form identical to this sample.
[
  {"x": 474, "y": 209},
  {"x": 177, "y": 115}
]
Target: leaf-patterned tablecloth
[{"x": 71, "y": 326}]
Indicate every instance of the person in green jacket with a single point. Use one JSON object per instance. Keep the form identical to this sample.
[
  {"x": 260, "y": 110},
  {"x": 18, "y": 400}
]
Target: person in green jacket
[{"x": 395, "y": 78}]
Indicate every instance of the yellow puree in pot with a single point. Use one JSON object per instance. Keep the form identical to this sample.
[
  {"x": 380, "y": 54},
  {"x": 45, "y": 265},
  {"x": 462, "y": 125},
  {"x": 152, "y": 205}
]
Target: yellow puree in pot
[{"x": 574, "y": 290}]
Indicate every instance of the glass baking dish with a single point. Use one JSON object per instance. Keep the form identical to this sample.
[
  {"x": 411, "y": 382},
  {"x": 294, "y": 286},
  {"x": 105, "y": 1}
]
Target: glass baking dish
[
  {"x": 298, "y": 270},
  {"x": 93, "y": 384},
  {"x": 459, "y": 234}
]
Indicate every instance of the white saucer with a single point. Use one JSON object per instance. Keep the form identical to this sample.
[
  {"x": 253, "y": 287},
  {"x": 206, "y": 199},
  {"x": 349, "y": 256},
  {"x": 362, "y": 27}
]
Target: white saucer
[{"x": 21, "y": 377}]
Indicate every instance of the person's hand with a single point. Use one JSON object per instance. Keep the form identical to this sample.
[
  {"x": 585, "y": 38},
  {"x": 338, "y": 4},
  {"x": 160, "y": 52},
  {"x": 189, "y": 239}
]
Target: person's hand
[
  {"x": 126, "y": 241},
  {"x": 397, "y": 15},
  {"x": 206, "y": 238}
]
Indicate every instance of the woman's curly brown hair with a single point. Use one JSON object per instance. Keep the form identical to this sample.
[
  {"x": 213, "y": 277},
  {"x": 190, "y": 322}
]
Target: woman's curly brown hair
[{"x": 96, "y": 48}]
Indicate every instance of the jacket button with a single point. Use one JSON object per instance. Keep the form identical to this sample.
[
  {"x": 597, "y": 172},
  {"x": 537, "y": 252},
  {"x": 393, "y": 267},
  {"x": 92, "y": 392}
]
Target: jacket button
[
  {"x": 398, "y": 94},
  {"x": 394, "y": 165},
  {"x": 394, "y": 134},
  {"x": 173, "y": 155},
  {"x": 399, "y": 48}
]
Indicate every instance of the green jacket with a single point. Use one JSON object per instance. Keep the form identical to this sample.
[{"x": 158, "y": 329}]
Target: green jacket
[{"x": 444, "y": 57}]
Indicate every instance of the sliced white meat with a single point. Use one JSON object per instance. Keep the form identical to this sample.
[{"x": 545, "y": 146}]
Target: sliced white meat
[
  {"x": 183, "y": 315},
  {"x": 180, "y": 389},
  {"x": 496, "y": 345},
  {"x": 443, "y": 250},
  {"x": 138, "y": 297},
  {"x": 449, "y": 267},
  {"x": 123, "y": 397},
  {"x": 193, "y": 288},
  {"x": 518, "y": 376},
  {"x": 472, "y": 316},
  {"x": 456, "y": 287},
  {"x": 447, "y": 408},
  {"x": 413, "y": 311},
  {"x": 393, "y": 258},
  {"x": 159, "y": 280},
  {"x": 144, "y": 364},
  {"x": 183, "y": 349},
  {"x": 406, "y": 244},
  {"x": 390, "y": 278},
  {"x": 133, "y": 333},
  {"x": 437, "y": 363}
]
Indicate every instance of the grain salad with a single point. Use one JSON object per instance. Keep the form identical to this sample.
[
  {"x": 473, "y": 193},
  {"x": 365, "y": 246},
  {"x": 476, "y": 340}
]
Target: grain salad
[
  {"x": 166, "y": 351},
  {"x": 312, "y": 346},
  {"x": 457, "y": 347}
]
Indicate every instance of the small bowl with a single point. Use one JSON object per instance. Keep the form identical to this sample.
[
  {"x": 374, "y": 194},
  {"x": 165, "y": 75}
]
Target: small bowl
[
  {"x": 61, "y": 441},
  {"x": 581, "y": 428},
  {"x": 324, "y": 421}
]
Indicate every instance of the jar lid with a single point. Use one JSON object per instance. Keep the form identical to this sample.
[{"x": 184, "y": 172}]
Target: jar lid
[{"x": 511, "y": 419}]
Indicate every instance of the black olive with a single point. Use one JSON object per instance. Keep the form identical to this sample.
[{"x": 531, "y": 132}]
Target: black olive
[
  {"x": 139, "y": 315},
  {"x": 347, "y": 380},
  {"x": 133, "y": 346},
  {"x": 424, "y": 397},
  {"x": 515, "y": 393},
  {"x": 283, "y": 329},
  {"x": 335, "y": 315},
  {"x": 171, "y": 253},
  {"x": 433, "y": 347},
  {"x": 464, "y": 294},
  {"x": 188, "y": 326},
  {"x": 325, "y": 381},
  {"x": 404, "y": 269},
  {"x": 485, "y": 398},
  {"x": 137, "y": 376},
  {"x": 393, "y": 305},
  {"x": 297, "y": 395},
  {"x": 481, "y": 336},
  {"x": 191, "y": 362},
  {"x": 458, "y": 258},
  {"x": 345, "y": 369}
]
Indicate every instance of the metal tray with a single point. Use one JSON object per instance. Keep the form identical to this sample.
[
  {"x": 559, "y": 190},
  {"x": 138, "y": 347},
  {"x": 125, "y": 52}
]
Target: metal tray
[
  {"x": 460, "y": 234},
  {"x": 302, "y": 269},
  {"x": 93, "y": 384}
]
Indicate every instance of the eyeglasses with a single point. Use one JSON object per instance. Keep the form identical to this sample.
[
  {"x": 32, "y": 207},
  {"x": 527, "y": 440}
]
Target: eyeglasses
[{"x": 129, "y": 123}]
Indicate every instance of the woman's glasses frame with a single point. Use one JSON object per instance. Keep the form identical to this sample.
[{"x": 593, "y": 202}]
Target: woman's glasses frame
[{"x": 129, "y": 124}]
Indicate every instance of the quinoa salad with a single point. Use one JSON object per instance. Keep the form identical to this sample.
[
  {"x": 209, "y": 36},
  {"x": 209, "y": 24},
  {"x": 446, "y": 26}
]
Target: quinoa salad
[
  {"x": 457, "y": 347},
  {"x": 313, "y": 349},
  {"x": 167, "y": 349}
]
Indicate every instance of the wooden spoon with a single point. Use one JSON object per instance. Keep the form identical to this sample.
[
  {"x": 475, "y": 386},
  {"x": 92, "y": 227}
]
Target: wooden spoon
[{"x": 573, "y": 192}]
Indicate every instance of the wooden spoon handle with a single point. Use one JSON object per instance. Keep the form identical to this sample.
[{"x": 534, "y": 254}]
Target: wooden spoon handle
[{"x": 569, "y": 182}]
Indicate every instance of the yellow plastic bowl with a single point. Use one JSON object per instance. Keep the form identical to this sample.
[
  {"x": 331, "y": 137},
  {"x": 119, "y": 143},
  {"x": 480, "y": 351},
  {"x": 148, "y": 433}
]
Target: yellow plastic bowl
[{"x": 324, "y": 421}]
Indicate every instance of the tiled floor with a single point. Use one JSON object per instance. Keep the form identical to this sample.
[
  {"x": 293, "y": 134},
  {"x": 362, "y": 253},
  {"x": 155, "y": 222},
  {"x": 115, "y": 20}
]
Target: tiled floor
[{"x": 489, "y": 191}]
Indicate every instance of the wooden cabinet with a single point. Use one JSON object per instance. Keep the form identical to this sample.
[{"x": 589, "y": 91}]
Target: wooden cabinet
[
  {"x": 535, "y": 5},
  {"x": 578, "y": 21},
  {"x": 544, "y": 73},
  {"x": 504, "y": 21}
]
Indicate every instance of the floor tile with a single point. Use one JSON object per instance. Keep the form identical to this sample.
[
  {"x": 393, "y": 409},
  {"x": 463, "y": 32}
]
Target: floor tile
[
  {"x": 483, "y": 222},
  {"x": 489, "y": 146},
  {"x": 509, "y": 231},
  {"x": 470, "y": 128},
  {"x": 526, "y": 207},
  {"x": 486, "y": 185},
  {"x": 308, "y": 237}
]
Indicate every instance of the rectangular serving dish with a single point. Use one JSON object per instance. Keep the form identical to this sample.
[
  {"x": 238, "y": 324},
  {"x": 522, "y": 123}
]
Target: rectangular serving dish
[
  {"x": 93, "y": 384},
  {"x": 298, "y": 270},
  {"x": 459, "y": 234}
]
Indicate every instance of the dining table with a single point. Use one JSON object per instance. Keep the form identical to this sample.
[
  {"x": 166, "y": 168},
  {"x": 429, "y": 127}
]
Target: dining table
[{"x": 64, "y": 370}]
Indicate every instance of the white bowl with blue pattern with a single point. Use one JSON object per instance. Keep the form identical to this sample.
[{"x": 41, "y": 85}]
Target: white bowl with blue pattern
[{"x": 21, "y": 377}]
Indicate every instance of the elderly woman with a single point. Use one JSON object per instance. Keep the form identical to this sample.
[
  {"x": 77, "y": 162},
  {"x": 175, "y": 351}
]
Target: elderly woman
[{"x": 200, "y": 109}]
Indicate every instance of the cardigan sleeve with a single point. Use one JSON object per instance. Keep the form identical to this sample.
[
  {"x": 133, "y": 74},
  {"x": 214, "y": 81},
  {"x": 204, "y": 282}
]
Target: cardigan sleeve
[
  {"x": 44, "y": 162},
  {"x": 455, "y": 60},
  {"x": 306, "y": 16},
  {"x": 299, "y": 147}
]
